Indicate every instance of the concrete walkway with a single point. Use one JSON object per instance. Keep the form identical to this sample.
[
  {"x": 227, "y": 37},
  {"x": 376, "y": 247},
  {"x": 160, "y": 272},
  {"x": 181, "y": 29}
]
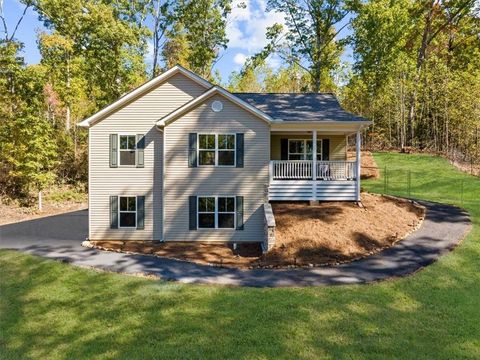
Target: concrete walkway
[{"x": 59, "y": 237}]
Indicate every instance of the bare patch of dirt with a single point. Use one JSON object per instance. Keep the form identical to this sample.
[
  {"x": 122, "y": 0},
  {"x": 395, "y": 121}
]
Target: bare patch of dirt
[
  {"x": 307, "y": 235},
  {"x": 12, "y": 211},
  {"x": 469, "y": 168},
  {"x": 369, "y": 168}
]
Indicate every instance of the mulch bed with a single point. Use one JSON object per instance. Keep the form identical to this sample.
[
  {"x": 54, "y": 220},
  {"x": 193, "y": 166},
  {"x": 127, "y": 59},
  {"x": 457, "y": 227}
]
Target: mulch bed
[{"x": 306, "y": 235}]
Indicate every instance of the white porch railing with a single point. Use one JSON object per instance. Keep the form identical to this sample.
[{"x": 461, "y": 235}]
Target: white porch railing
[
  {"x": 336, "y": 170},
  {"x": 302, "y": 169},
  {"x": 291, "y": 169}
]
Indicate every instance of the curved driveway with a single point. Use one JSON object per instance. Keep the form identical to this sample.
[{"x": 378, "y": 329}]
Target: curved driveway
[{"x": 59, "y": 237}]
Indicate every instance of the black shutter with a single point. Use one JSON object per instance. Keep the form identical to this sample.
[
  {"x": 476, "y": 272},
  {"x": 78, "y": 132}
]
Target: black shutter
[
  {"x": 192, "y": 204},
  {"x": 113, "y": 150},
  {"x": 239, "y": 150},
  {"x": 239, "y": 212},
  {"x": 325, "y": 149},
  {"x": 140, "y": 212},
  {"x": 283, "y": 149},
  {"x": 113, "y": 212},
  {"x": 139, "y": 153},
  {"x": 192, "y": 150}
]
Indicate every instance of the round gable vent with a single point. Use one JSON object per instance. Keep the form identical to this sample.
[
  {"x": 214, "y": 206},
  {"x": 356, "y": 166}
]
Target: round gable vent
[{"x": 217, "y": 106}]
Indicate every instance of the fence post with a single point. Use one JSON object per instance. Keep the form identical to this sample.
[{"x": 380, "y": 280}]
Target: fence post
[{"x": 385, "y": 181}]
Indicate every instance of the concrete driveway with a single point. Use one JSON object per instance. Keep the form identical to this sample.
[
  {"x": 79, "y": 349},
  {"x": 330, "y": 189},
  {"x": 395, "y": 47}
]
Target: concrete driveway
[{"x": 59, "y": 237}]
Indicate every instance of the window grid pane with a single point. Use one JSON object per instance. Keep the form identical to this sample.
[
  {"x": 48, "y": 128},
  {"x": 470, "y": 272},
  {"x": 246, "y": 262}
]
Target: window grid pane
[
  {"x": 206, "y": 204},
  {"x": 128, "y": 219},
  {"x": 226, "y": 157},
  {"x": 131, "y": 142},
  {"x": 216, "y": 149},
  {"x": 206, "y": 141},
  {"x": 226, "y": 221},
  {"x": 127, "y": 157},
  {"x": 127, "y": 211},
  {"x": 127, "y": 142},
  {"x": 226, "y": 142},
  {"x": 302, "y": 149},
  {"x": 127, "y": 150},
  {"x": 226, "y": 212},
  {"x": 206, "y": 212},
  {"x": 216, "y": 212},
  {"x": 206, "y": 220}
]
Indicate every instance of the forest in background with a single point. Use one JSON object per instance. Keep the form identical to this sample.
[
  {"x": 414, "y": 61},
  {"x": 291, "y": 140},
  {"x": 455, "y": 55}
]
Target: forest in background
[{"x": 415, "y": 71}]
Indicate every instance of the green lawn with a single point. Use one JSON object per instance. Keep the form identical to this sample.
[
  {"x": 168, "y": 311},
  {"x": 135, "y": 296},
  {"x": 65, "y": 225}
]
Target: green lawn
[{"x": 50, "y": 310}]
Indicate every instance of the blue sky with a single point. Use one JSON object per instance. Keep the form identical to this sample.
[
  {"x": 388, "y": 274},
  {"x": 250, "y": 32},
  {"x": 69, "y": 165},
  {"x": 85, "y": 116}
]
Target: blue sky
[{"x": 245, "y": 30}]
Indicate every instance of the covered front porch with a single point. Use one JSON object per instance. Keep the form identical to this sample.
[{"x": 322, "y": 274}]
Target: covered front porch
[{"x": 312, "y": 165}]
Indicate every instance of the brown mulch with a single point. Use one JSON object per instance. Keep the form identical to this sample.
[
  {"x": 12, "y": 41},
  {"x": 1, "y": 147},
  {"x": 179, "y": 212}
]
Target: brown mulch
[
  {"x": 12, "y": 212},
  {"x": 369, "y": 169},
  {"x": 306, "y": 235}
]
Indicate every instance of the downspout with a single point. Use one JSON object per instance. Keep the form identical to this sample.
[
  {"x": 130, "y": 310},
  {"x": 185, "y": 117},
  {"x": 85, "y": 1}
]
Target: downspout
[{"x": 162, "y": 238}]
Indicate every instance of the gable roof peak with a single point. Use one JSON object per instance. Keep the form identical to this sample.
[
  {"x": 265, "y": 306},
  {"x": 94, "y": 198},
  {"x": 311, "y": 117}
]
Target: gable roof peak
[{"x": 133, "y": 94}]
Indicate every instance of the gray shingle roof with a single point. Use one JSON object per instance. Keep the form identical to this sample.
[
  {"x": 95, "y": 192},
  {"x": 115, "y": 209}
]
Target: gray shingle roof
[{"x": 299, "y": 106}]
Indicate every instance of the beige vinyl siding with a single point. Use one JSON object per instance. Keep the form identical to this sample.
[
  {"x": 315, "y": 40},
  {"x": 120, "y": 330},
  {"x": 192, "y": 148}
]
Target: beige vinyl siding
[
  {"x": 137, "y": 117},
  {"x": 338, "y": 145},
  {"x": 182, "y": 181}
]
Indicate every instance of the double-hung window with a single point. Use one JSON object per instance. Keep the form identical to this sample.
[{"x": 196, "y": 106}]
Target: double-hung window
[
  {"x": 216, "y": 212},
  {"x": 216, "y": 149},
  {"x": 127, "y": 150},
  {"x": 302, "y": 149},
  {"x": 127, "y": 213}
]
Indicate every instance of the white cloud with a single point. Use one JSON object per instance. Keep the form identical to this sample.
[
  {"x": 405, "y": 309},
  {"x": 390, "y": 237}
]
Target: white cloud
[
  {"x": 274, "y": 61},
  {"x": 247, "y": 26},
  {"x": 239, "y": 58}
]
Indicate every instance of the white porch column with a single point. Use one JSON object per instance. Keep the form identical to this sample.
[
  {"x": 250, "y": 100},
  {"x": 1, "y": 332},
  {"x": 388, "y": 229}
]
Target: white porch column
[
  {"x": 314, "y": 164},
  {"x": 358, "y": 144}
]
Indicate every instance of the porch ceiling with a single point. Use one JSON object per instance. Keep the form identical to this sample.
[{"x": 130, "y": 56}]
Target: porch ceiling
[
  {"x": 331, "y": 128},
  {"x": 309, "y": 133}
]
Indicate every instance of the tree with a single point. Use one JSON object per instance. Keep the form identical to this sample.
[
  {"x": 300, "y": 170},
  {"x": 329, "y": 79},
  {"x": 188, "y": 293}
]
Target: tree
[
  {"x": 27, "y": 143},
  {"x": 198, "y": 34},
  {"x": 107, "y": 35},
  {"x": 416, "y": 73},
  {"x": 162, "y": 18},
  {"x": 310, "y": 39}
]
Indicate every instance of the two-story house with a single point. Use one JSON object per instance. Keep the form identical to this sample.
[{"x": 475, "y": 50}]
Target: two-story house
[{"x": 179, "y": 159}]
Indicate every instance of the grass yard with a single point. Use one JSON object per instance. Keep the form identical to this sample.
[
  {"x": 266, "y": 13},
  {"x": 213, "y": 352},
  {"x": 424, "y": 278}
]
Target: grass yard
[{"x": 52, "y": 310}]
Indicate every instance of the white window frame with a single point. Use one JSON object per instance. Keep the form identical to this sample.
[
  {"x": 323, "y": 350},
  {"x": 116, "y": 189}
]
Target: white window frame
[
  {"x": 319, "y": 149},
  {"x": 234, "y": 150},
  {"x": 217, "y": 212},
  {"x": 136, "y": 212},
  {"x": 120, "y": 150}
]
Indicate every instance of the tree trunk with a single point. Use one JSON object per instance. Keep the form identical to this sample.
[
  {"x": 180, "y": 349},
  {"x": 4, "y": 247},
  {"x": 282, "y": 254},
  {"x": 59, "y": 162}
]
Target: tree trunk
[
  {"x": 68, "y": 110},
  {"x": 410, "y": 132},
  {"x": 68, "y": 119},
  {"x": 40, "y": 204}
]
